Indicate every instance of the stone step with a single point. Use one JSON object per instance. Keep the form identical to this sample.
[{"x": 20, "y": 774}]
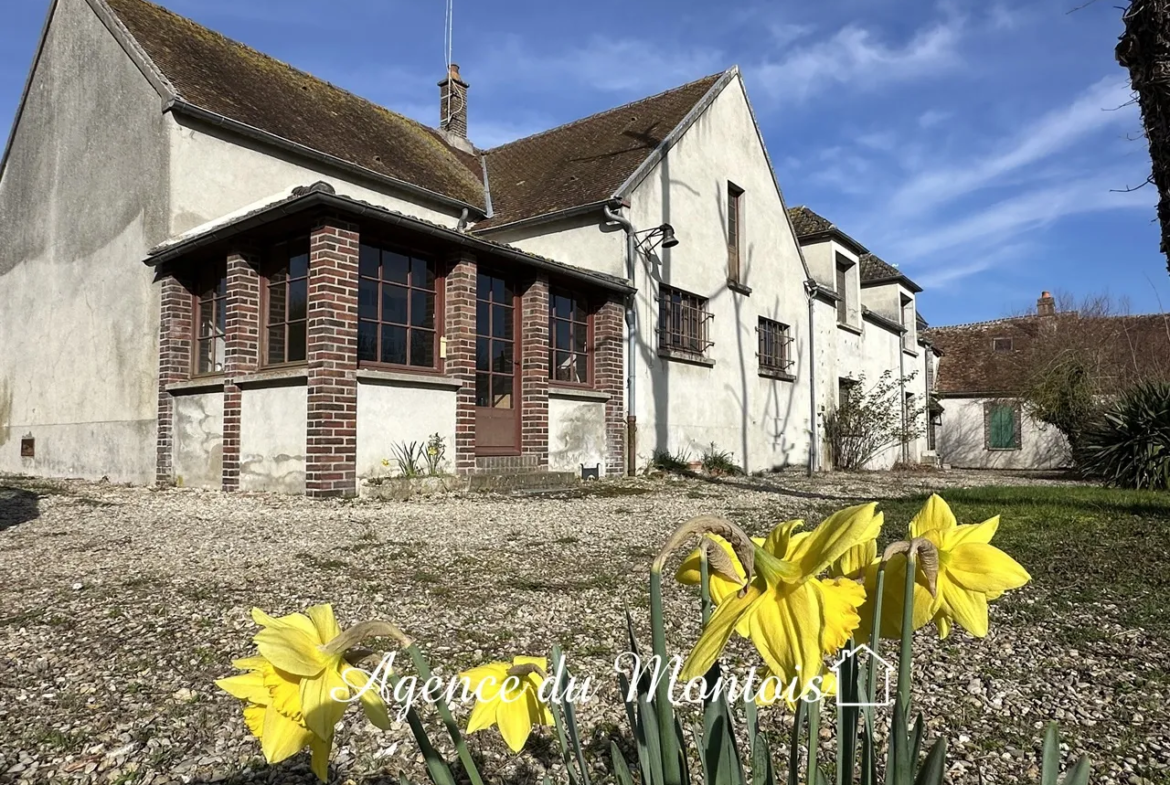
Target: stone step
[{"x": 519, "y": 482}]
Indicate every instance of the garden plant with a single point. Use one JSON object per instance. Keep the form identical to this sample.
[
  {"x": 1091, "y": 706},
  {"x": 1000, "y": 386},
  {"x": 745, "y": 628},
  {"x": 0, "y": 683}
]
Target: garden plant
[{"x": 809, "y": 602}]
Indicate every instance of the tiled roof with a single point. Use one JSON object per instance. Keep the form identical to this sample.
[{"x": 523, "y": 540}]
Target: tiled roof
[
  {"x": 227, "y": 78},
  {"x": 874, "y": 268},
  {"x": 808, "y": 223},
  {"x": 1125, "y": 347},
  {"x": 586, "y": 161}
]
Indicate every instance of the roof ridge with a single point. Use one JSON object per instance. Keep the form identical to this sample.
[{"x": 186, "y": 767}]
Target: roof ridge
[
  {"x": 252, "y": 50},
  {"x": 612, "y": 109}
]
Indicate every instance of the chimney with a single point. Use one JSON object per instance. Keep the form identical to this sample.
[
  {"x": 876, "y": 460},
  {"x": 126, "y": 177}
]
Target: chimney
[
  {"x": 453, "y": 104},
  {"x": 1045, "y": 306}
]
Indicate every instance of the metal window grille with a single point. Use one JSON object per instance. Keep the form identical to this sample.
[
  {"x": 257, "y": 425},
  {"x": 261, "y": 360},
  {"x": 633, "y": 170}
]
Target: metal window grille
[
  {"x": 682, "y": 321},
  {"x": 775, "y": 352}
]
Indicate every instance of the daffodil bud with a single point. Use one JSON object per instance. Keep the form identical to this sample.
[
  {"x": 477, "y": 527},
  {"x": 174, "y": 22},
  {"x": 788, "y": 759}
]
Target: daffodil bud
[{"x": 709, "y": 524}]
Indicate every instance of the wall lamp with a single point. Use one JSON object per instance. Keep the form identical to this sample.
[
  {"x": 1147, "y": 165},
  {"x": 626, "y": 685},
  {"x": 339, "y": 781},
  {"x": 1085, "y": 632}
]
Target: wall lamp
[{"x": 649, "y": 239}]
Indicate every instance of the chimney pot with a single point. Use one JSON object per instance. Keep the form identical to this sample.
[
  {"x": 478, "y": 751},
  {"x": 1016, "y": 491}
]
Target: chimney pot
[{"x": 1046, "y": 305}]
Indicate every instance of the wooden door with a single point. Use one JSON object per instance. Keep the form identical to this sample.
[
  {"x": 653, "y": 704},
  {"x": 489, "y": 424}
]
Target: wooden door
[{"x": 497, "y": 366}]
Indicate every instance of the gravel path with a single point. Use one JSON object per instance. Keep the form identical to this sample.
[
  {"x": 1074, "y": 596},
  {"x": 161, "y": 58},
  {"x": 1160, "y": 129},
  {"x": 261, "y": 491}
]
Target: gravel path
[{"x": 120, "y": 606}]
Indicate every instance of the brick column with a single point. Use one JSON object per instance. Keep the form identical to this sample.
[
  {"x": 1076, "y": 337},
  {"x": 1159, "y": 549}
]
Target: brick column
[
  {"x": 459, "y": 326},
  {"x": 331, "y": 464},
  {"x": 609, "y": 331},
  {"x": 174, "y": 365},
  {"x": 534, "y": 371},
  {"x": 241, "y": 352}
]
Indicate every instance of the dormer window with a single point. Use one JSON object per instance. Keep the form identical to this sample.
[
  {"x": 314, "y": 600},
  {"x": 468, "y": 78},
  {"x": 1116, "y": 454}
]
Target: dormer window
[
  {"x": 844, "y": 266},
  {"x": 734, "y": 231},
  {"x": 1001, "y": 344}
]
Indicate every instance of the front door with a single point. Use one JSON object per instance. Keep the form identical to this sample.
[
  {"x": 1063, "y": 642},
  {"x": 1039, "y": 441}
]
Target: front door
[{"x": 497, "y": 364}]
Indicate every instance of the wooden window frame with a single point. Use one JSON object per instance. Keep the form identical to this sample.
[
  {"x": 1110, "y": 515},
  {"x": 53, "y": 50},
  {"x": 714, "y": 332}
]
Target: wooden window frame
[
  {"x": 694, "y": 315},
  {"x": 996, "y": 343},
  {"x": 774, "y": 347},
  {"x": 438, "y": 366},
  {"x": 735, "y": 233},
  {"x": 843, "y": 266},
  {"x": 270, "y": 266},
  {"x": 583, "y": 303},
  {"x": 1017, "y": 422},
  {"x": 219, "y": 305}
]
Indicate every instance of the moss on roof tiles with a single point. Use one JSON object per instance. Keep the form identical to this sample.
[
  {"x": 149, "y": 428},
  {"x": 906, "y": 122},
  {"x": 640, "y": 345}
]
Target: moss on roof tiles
[{"x": 228, "y": 78}]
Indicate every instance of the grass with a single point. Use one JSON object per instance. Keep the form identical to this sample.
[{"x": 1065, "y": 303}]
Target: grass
[{"x": 1083, "y": 544}]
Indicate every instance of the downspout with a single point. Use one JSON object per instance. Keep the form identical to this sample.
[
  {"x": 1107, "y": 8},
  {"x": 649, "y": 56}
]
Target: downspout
[
  {"x": 631, "y": 340},
  {"x": 902, "y": 389},
  {"x": 810, "y": 289}
]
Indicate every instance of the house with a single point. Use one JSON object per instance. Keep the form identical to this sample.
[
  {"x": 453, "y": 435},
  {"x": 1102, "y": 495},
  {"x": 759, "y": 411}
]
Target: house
[
  {"x": 867, "y": 323},
  {"x": 221, "y": 271},
  {"x": 986, "y": 367}
]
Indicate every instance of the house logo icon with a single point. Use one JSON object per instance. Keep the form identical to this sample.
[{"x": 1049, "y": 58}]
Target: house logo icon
[{"x": 884, "y": 672}]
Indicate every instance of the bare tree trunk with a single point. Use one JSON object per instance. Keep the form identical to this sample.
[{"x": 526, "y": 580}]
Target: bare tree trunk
[{"x": 1144, "y": 49}]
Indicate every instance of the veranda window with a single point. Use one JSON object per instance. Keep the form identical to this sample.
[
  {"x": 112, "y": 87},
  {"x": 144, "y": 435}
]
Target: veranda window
[
  {"x": 286, "y": 312},
  {"x": 210, "y": 319},
  {"x": 397, "y": 304},
  {"x": 568, "y": 330}
]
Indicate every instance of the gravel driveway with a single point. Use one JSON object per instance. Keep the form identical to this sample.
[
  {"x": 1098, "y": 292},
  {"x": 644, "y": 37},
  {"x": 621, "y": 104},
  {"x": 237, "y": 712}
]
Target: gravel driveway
[{"x": 120, "y": 606}]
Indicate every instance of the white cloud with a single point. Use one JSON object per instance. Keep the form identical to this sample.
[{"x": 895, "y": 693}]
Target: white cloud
[
  {"x": 1037, "y": 141},
  {"x": 857, "y": 58},
  {"x": 932, "y": 117}
]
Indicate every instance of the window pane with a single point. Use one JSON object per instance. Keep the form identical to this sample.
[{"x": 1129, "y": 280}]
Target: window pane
[
  {"x": 369, "y": 258},
  {"x": 502, "y": 392},
  {"x": 499, "y": 290},
  {"x": 298, "y": 264},
  {"x": 422, "y": 309},
  {"x": 368, "y": 299},
  {"x": 276, "y": 344},
  {"x": 206, "y": 315},
  {"x": 561, "y": 336},
  {"x": 482, "y": 316},
  {"x": 394, "y": 304},
  {"x": 483, "y": 396},
  {"x": 558, "y": 363},
  {"x": 204, "y": 365},
  {"x": 563, "y": 307},
  {"x": 422, "y": 274},
  {"x": 277, "y": 298},
  {"x": 483, "y": 354},
  {"x": 220, "y": 318},
  {"x": 581, "y": 336},
  {"x": 501, "y": 357},
  {"x": 501, "y": 322},
  {"x": 395, "y": 267},
  {"x": 298, "y": 300},
  {"x": 221, "y": 284},
  {"x": 394, "y": 345},
  {"x": 296, "y": 342},
  {"x": 422, "y": 348},
  {"x": 368, "y": 341},
  {"x": 483, "y": 286},
  {"x": 582, "y": 368}
]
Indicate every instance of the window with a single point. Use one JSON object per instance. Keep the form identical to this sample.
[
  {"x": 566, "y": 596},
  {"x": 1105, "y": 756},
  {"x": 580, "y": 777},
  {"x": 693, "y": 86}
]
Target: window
[
  {"x": 682, "y": 322},
  {"x": 496, "y": 361},
  {"x": 1001, "y": 422},
  {"x": 843, "y": 267},
  {"x": 286, "y": 313},
  {"x": 568, "y": 330},
  {"x": 397, "y": 304},
  {"x": 210, "y": 319},
  {"x": 775, "y": 346},
  {"x": 907, "y": 316},
  {"x": 1001, "y": 344},
  {"x": 847, "y": 389},
  {"x": 734, "y": 230}
]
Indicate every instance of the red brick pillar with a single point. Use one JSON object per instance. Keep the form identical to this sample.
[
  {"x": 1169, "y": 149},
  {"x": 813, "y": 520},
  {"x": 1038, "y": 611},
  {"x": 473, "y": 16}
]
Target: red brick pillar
[
  {"x": 609, "y": 331},
  {"x": 174, "y": 365},
  {"x": 459, "y": 294},
  {"x": 534, "y": 371},
  {"x": 241, "y": 352},
  {"x": 331, "y": 464}
]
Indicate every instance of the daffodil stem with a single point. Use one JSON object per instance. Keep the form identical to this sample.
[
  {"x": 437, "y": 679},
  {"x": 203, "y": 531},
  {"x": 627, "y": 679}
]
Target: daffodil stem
[
  {"x": 424, "y": 671},
  {"x": 814, "y": 738},
  {"x": 704, "y": 586},
  {"x": 906, "y": 652},
  {"x": 671, "y": 763},
  {"x": 875, "y": 635}
]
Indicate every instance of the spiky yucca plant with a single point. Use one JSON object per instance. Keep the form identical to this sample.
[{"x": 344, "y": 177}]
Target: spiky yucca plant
[{"x": 1129, "y": 445}]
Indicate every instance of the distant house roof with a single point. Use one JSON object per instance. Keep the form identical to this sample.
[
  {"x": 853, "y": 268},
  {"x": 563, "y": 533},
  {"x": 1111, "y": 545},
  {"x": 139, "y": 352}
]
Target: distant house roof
[
  {"x": 875, "y": 270},
  {"x": 584, "y": 162},
  {"x": 986, "y": 359},
  {"x": 813, "y": 226},
  {"x": 807, "y": 223},
  {"x": 221, "y": 76}
]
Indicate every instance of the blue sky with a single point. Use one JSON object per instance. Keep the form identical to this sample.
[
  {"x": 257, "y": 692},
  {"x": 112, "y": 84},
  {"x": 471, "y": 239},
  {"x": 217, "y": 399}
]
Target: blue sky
[{"x": 978, "y": 145}]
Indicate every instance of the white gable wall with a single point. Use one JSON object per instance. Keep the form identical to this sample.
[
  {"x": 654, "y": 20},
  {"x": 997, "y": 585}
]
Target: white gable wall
[
  {"x": 685, "y": 407},
  {"x": 82, "y": 198},
  {"x": 962, "y": 440}
]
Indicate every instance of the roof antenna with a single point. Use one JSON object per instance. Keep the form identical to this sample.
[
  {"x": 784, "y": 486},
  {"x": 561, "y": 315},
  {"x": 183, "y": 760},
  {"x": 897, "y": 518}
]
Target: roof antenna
[{"x": 448, "y": 45}]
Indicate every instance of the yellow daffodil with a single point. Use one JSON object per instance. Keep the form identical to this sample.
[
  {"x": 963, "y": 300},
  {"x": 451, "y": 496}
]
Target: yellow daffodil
[
  {"x": 793, "y": 617},
  {"x": 508, "y": 695},
  {"x": 721, "y": 586},
  {"x": 295, "y": 692},
  {"x": 971, "y": 570}
]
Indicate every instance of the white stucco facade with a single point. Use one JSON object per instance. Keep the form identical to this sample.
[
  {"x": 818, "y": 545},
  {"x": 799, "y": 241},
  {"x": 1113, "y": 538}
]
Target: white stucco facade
[
  {"x": 963, "y": 441},
  {"x": 394, "y": 412}
]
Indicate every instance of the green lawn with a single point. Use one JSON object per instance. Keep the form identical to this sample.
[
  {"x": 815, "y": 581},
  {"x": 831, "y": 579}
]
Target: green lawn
[{"x": 1081, "y": 543}]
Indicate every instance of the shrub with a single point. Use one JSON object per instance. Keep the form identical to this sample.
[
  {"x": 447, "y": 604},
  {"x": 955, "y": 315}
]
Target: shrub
[
  {"x": 870, "y": 420},
  {"x": 720, "y": 462},
  {"x": 666, "y": 461},
  {"x": 1128, "y": 446}
]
